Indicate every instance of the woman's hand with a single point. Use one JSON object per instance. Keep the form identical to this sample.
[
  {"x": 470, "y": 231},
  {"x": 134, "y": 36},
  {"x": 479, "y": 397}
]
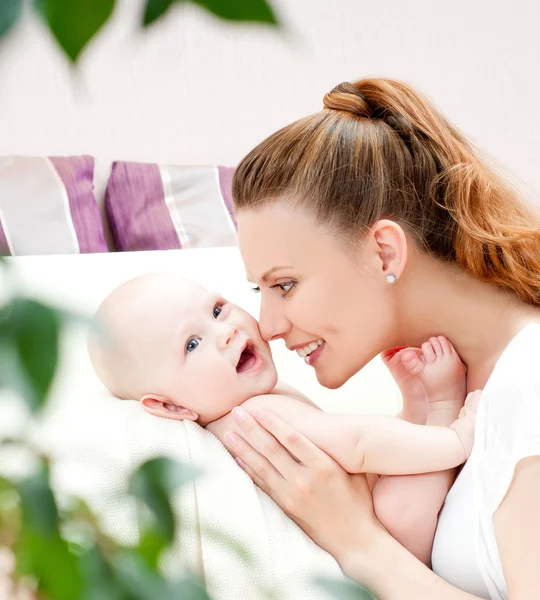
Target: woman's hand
[{"x": 334, "y": 508}]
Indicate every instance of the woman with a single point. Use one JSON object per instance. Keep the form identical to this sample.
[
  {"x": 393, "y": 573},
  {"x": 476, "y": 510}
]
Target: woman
[{"x": 374, "y": 224}]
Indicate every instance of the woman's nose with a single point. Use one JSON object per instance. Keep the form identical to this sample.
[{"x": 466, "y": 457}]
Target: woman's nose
[{"x": 273, "y": 324}]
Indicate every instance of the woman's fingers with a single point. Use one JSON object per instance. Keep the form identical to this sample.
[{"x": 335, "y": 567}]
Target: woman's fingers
[
  {"x": 262, "y": 445},
  {"x": 287, "y": 438},
  {"x": 318, "y": 494},
  {"x": 262, "y": 441},
  {"x": 257, "y": 480},
  {"x": 263, "y": 472}
]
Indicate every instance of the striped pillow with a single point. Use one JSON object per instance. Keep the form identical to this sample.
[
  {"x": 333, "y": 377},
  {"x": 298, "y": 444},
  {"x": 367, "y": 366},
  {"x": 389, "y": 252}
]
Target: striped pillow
[
  {"x": 157, "y": 207},
  {"x": 47, "y": 206}
]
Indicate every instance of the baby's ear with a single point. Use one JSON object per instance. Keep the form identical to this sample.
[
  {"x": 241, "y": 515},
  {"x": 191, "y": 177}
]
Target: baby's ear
[{"x": 160, "y": 406}]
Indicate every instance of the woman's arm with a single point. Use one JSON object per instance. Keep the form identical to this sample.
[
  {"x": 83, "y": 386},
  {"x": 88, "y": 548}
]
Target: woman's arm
[
  {"x": 517, "y": 530},
  {"x": 390, "y": 572},
  {"x": 334, "y": 509}
]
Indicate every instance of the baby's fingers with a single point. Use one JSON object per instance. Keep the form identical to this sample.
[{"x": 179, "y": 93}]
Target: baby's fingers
[{"x": 473, "y": 399}]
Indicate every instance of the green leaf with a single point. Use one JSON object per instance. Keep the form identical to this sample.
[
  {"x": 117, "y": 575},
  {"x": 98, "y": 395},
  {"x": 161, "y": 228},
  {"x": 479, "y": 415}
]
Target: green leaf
[
  {"x": 49, "y": 560},
  {"x": 139, "y": 581},
  {"x": 33, "y": 330},
  {"x": 153, "y": 482},
  {"x": 10, "y": 514},
  {"x": 75, "y": 22},
  {"x": 150, "y": 546},
  {"x": 10, "y": 11},
  {"x": 6, "y": 485},
  {"x": 233, "y": 10},
  {"x": 155, "y": 9},
  {"x": 41, "y": 552},
  {"x": 240, "y": 10},
  {"x": 160, "y": 507},
  {"x": 12, "y": 376},
  {"x": 344, "y": 590},
  {"x": 39, "y": 507},
  {"x": 143, "y": 583},
  {"x": 100, "y": 580},
  {"x": 189, "y": 587}
]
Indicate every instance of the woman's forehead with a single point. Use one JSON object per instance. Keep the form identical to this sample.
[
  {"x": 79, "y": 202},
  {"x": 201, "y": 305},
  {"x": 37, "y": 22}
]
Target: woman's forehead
[{"x": 275, "y": 239}]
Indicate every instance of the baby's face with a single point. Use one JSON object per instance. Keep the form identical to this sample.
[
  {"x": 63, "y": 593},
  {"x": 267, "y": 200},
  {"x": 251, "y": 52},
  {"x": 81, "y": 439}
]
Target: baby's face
[{"x": 210, "y": 356}]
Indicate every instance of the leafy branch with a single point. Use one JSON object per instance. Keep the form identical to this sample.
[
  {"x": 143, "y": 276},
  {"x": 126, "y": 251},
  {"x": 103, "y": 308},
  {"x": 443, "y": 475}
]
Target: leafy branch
[{"x": 73, "y": 23}]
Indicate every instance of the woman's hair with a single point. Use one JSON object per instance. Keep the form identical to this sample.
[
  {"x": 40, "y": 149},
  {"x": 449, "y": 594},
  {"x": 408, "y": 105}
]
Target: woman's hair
[{"x": 380, "y": 150}]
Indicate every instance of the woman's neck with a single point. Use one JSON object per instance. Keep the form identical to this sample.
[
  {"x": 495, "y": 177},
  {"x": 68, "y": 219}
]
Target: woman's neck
[{"x": 478, "y": 318}]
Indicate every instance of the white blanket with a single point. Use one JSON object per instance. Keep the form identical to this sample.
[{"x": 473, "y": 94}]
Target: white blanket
[{"x": 95, "y": 457}]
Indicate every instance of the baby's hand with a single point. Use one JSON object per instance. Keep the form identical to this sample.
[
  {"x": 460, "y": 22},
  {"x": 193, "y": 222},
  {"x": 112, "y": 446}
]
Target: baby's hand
[{"x": 465, "y": 424}]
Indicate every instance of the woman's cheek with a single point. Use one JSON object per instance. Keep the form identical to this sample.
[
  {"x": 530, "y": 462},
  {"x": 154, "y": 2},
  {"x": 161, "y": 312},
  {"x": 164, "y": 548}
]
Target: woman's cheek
[
  {"x": 314, "y": 309},
  {"x": 298, "y": 311}
]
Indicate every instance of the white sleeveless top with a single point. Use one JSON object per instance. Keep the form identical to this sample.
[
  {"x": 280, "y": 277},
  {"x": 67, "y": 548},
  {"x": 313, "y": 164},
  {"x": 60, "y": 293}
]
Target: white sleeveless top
[{"x": 507, "y": 430}]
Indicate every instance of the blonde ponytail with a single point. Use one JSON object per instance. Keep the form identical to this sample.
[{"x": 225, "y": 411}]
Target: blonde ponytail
[{"x": 497, "y": 236}]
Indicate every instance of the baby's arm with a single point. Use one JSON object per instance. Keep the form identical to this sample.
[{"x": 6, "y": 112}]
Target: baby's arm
[{"x": 369, "y": 443}]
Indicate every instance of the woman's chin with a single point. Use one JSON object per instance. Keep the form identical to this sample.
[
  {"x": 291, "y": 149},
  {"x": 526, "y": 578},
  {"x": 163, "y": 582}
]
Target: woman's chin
[{"x": 330, "y": 380}]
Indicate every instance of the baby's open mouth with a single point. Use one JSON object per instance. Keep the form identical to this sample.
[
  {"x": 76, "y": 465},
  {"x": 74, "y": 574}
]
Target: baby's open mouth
[{"x": 248, "y": 359}]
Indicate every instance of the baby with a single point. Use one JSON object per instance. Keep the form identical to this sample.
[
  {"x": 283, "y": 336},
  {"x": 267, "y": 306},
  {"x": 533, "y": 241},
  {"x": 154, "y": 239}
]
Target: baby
[{"x": 186, "y": 353}]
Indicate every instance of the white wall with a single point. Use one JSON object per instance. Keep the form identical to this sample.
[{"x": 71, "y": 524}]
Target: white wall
[{"x": 192, "y": 90}]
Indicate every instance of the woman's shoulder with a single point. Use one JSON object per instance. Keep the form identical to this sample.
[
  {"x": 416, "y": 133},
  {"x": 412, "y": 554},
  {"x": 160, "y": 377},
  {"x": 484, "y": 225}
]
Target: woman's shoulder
[
  {"x": 510, "y": 403},
  {"x": 519, "y": 364},
  {"x": 508, "y": 417},
  {"x": 512, "y": 393}
]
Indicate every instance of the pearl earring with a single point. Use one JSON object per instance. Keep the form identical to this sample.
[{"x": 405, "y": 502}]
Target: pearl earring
[{"x": 391, "y": 278}]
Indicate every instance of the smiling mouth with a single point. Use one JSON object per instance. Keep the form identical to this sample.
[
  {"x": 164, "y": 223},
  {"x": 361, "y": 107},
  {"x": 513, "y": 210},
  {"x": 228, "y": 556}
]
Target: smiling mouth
[{"x": 248, "y": 359}]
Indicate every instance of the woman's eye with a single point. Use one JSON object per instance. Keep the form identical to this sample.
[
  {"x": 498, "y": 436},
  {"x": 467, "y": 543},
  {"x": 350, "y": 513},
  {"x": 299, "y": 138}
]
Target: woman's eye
[
  {"x": 217, "y": 311},
  {"x": 285, "y": 287},
  {"x": 192, "y": 344},
  {"x": 255, "y": 289}
]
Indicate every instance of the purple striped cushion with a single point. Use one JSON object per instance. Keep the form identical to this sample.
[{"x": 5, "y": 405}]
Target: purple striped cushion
[
  {"x": 157, "y": 207},
  {"x": 47, "y": 206}
]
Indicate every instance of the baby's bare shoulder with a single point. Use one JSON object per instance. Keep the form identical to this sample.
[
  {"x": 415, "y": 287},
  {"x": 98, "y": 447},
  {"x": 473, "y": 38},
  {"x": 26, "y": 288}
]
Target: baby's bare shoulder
[
  {"x": 292, "y": 409},
  {"x": 279, "y": 399}
]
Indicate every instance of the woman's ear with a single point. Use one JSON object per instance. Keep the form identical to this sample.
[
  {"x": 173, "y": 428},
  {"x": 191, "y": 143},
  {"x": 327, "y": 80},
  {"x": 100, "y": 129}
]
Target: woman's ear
[
  {"x": 160, "y": 406},
  {"x": 390, "y": 246}
]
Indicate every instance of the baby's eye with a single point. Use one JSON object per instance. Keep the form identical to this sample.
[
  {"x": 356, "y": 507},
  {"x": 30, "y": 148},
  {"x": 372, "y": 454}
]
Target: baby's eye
[
  {"x": 217, "y": 311},
  {"x": 192, "y": 344}
]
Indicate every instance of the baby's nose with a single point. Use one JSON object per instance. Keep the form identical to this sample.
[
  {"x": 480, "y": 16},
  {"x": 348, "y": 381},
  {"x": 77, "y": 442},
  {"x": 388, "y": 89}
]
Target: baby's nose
[{"x": 229, "y": 334}]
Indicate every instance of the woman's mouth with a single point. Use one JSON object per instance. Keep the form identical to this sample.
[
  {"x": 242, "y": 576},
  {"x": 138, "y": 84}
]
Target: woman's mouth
[
  {"x": 310, "y": 352},
  {"x": 250, "y": 360}
]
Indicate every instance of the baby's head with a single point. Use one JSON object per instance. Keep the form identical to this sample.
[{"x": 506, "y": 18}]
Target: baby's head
[{"x": 183, "y": 351}]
